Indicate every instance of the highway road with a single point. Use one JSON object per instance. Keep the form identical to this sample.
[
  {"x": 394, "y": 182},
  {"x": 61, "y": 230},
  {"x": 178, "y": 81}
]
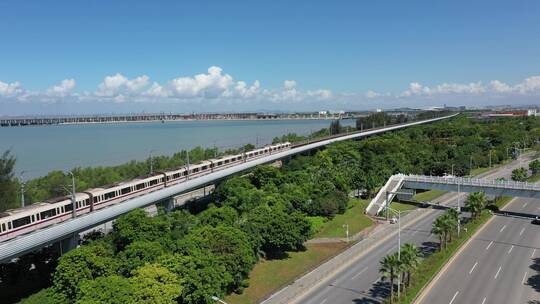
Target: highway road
[
  {"x": 361, "y": 282},
  {"x": 500, "y": 265}
]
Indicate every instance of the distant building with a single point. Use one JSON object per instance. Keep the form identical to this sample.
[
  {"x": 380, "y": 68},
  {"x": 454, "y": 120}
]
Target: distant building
[{"x": 516, "y": 113}]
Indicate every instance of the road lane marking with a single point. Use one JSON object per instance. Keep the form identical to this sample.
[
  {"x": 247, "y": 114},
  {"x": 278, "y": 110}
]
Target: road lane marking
[
  {"x": 502, "y": 229},
  {"x": 484, "y": 300},
  {"x": 454, "y": 297},
  {"x": 356, "y": 275},
  {"x": 510, "y": 250},
  {"x": 522, "y": 230},
  {"x": 389, "y": 250},
  {"x": 472, "y": 269},
  {"x": 524, "y": 205},
  {"x": 377, "y": 280},
  {"x": 533, "y": 252},
  {"x": 324, "y": 301},
  {"x": 497, "y": 274},
  {"x": 524, "y": 277},
  {"x": 489, "y": 245}
]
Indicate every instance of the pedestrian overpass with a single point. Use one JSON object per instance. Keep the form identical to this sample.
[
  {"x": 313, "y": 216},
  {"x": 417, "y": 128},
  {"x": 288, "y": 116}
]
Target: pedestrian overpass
[{"x": 453, "y": 184}]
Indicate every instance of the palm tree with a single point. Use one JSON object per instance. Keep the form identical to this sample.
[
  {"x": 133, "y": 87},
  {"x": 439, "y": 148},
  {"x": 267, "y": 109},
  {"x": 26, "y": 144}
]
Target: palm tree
[
  {"x": 439, "y": 229},
  {"x": 390, "y": 267},
  {"x": 450, "y": 223},
  {"x": 410, "y": 257},
  {"x": 475, "y": 203}
]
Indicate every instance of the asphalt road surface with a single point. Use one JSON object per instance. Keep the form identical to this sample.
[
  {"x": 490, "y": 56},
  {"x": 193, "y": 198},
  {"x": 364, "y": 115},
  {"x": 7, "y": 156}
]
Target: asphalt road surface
[
  {"x": 362, "y": 283},
  {"x": 500, "y": 265}
]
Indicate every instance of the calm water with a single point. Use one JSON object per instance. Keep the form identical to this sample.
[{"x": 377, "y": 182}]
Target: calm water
[{"x": 45, "y": 148}]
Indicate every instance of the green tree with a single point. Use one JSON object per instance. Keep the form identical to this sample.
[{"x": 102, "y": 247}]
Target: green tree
[
  {"x": 335, "y": 127},
  {"x": 519, "y": 175},
  {"x": 153, "y": 283},
  {"x": 229, "y": 246},
  {"x": 534, "y": 166},
  {"x": 83, "y": 263},
  {"x": 215, "y": 216},
  {"x": 137, "y": 254},
  {"x": 475, "y": 203},
  {"x": 112, "y": 289},
  {"x": 8, "y": 184},
  {"x": 137, "y": 225},
  {"x": 202, "y": 276},
  {"x": 46, "y": 296},
  {"x": 439, "y": 228},
  {"x": 273, "y": 230},
  {"x": 410, "y": 258},
  {"x": 390, "y": 268}
]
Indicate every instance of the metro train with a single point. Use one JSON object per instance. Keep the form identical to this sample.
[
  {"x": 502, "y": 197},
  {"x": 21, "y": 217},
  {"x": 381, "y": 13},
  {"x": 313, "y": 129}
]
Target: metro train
[{"x": 19, "y": 221}]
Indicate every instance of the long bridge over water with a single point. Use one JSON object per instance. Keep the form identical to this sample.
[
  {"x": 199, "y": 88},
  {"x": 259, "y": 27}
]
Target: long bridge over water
[{"x": 36, "y": 121}]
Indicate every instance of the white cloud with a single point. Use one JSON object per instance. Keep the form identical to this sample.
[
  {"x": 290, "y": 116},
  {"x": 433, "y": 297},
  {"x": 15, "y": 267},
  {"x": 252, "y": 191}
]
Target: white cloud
[
  {"x": 320, "y": 94},
  {"x": 63, "y": 88},
  {"x": 289, "y": 84},
  {"x": 10, "y": 89},
  {"x": 530, "y": 85},
  {"x": 372, "y": 94},
  {"x": 119, "y": 84}
]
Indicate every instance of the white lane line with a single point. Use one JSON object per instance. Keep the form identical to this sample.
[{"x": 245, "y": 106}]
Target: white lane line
[
  {"x": 524, "y": 277},
  {"x": 454, "y": 297},
  {"x": 377, "y": 280},
  {"x": 324, "y": 301},
  {"x": 474, "y": 266},
  {"x": 510, "y": 250},
  {"x": 490, "y": 243},
  {"x": 522, "y": 230},
  {"x": 389, "y": 250},
  {"x": 497, "y": 274},
  {"x": 534, "y": 251},
  {"x": 524, "y": 205},
  {"x": 484, "y": 300},
  {"x": 502, "y": 229},
  {"x": 356, "y": 275}
]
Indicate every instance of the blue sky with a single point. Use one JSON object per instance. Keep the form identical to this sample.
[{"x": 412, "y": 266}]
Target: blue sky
[{"x": 335, "y": 55}]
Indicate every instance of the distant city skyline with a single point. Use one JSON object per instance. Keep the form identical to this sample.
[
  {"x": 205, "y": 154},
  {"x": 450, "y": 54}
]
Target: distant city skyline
[{"x": 207, "y": 56}]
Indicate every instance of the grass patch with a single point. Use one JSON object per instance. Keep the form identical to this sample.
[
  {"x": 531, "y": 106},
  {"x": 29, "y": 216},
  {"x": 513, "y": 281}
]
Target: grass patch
[
  {"x": 354, "y": 217},
  {"x": 533, "y": 179},
  {"x": 477, "y": 171},
  {"x": 402, "y": 206},
  {"x": 429, "y": 195},
  {"x": 270, "y": 275}
]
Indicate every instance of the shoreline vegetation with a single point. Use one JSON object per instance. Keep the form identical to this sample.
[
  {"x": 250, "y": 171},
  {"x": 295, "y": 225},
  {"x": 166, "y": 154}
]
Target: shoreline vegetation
[{"x": 263, "y": 216}]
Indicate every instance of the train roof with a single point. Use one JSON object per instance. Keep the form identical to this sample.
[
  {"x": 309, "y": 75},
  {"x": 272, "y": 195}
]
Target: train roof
[{"x": 32, "y": 207}]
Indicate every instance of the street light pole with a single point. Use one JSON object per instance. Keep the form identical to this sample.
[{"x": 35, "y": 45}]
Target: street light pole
[
  {"x": 22, "y": 189},
  {"x": 73, "y": 202},
  {"x": 346, "y": 226},
  {"x": 152, "y": 162}
]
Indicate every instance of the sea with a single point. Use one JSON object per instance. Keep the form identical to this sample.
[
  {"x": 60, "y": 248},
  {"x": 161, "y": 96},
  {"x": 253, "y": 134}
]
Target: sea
[{"x": 41, "y": 149}]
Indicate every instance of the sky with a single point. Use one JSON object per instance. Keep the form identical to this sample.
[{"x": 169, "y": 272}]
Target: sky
[{"x": 89, "y": 57}]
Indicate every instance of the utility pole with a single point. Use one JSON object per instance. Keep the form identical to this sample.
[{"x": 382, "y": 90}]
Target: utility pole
[
  {"x": 458, "y": 208},
  {"x": 187, "y": 162},
  {"x": 452, "y": 170},
  {"x": 470, "y": 164},
  {"x": 73, "y": 201},
  {"x": 152, "y": 162},
  {"x": 23, "y": 184},
  {"x": 490, "y": 158}
]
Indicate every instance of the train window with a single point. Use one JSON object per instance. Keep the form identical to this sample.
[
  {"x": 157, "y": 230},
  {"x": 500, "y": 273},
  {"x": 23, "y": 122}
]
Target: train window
[
  {"x": 21, "y": 222},
  {"x": 109, "y": 195},
  {"x": 95, "y": 199},
  {"x": 68, "y": 207},
  {"x": 195, "y": 170},
  {"x": 184, "y": 173},
  {"x": 204, "y": 168},
  {"x": 176, "y": 175},
  {"x": 139, "y": 186},
  {"x": 33, "y": 218},
  {"x": 9, "y": 225},
  {"x": 3, "y": 227},
  {"x": 48, "y": 213},
  {"x": 87, "y": 202},
  {"x": 126, "y": 190}
]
